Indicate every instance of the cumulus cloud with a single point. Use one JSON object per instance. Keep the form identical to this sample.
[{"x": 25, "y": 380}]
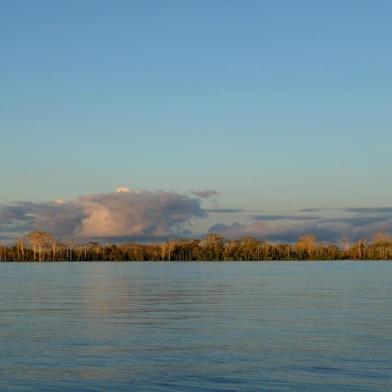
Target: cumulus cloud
[
  {"x": 125, "y": 213},
  {"x": 123, "y": 189},
  {"x": 59, "y": 218},
  {"x": 141, "y": 215}
]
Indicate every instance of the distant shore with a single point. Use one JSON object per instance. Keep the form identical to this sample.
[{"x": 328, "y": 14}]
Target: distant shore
[{"x": 40, "y": 246}]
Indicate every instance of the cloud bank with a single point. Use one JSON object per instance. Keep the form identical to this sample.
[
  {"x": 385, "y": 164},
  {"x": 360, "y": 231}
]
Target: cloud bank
[
  {"x": 139, "y": 215},
  {"x": 125, "y": 213},
  {"x": 348, "y": 223}
]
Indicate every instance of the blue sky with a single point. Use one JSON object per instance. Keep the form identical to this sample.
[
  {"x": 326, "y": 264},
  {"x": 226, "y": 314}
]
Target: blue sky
[{"x": 277, "y": 105}]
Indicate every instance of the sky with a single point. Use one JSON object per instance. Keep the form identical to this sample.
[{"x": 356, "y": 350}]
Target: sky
[{"x": 274, "y": 106}]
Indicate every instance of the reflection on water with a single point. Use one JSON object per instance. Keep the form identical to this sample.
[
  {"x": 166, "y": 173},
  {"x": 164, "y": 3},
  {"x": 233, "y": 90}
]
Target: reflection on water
[{"x": 196, "y": 327}]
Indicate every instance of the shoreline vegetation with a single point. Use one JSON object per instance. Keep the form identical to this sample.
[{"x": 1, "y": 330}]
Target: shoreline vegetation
[{"x": 40, "y": 246}]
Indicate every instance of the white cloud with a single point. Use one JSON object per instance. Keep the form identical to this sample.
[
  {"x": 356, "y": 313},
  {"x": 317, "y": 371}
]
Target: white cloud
[
  {"x": 140, "y": 214},
  {"x": 123, "y": 189}
]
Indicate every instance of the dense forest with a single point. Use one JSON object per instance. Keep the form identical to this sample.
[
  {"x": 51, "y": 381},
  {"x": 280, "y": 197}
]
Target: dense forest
[{"x": 41, "y": 246}]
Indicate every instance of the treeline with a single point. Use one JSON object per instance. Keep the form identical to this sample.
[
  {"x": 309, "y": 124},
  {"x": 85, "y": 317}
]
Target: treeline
[{"x": 41, "y": 246}]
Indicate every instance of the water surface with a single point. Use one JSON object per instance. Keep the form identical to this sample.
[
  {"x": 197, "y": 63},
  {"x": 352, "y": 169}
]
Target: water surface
[{"x": 324, "y": 326}]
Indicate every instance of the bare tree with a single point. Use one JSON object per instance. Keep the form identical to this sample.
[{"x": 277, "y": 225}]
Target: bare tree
[
  {"x": 20, "y": 248},
  {"x": 40, "y": 243}
]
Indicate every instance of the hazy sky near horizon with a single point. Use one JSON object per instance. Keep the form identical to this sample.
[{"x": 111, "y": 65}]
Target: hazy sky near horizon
[{"x": 277, "y": 105}]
